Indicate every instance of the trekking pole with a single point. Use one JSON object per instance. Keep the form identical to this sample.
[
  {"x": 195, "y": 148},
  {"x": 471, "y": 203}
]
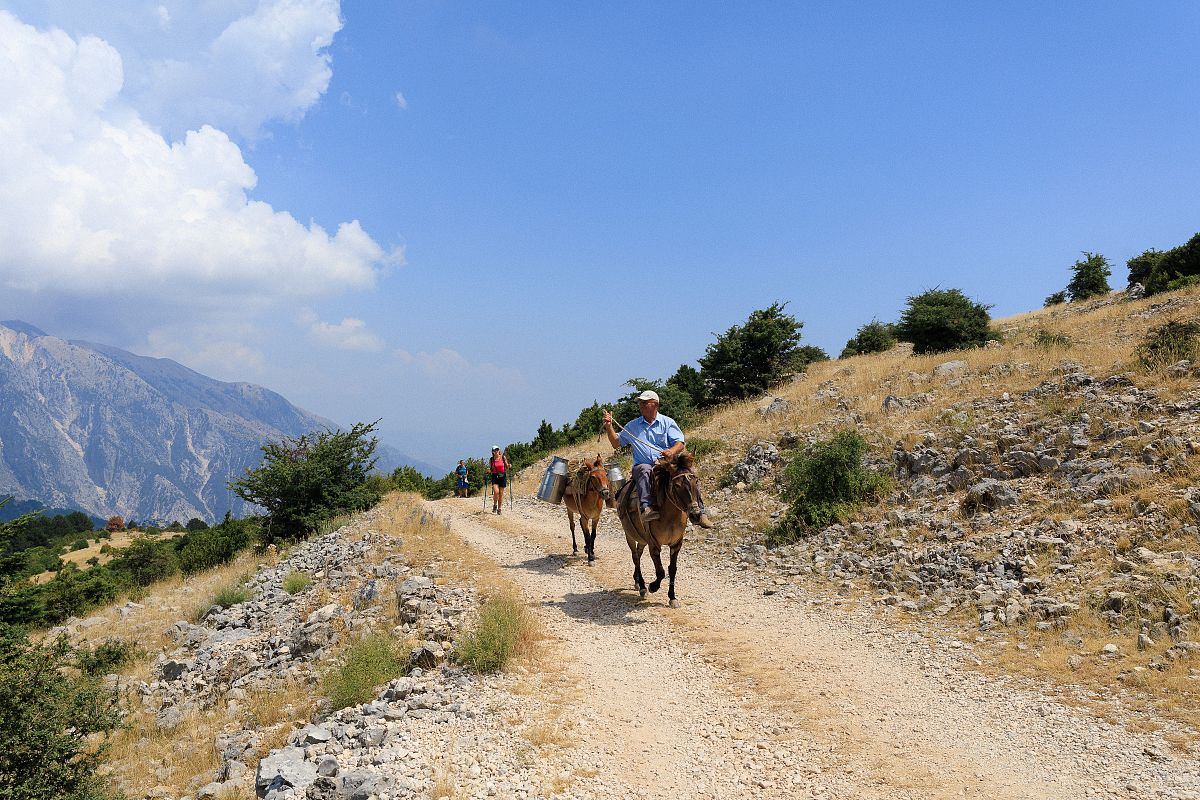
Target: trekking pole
[{"x": 485, "y": 491}]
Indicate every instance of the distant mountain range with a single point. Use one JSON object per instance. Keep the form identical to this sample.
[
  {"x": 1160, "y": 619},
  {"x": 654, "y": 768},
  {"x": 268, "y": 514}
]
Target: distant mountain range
[{"x": 93, "y": 427}]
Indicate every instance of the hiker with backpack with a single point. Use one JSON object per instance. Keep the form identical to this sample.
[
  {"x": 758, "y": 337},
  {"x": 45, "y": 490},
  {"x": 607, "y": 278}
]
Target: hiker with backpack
[{"x": 498, "y": 468}]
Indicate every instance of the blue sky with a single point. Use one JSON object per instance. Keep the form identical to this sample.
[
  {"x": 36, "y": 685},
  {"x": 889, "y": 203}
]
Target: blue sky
[{"x": 464, "y": 218}]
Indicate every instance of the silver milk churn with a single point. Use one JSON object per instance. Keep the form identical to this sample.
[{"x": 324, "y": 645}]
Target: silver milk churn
[
  {"x": 616, "y": 479},
  {"x": 554, "y": 482}
]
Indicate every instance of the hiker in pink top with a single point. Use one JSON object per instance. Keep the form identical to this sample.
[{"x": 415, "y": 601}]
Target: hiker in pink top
[{"x": 498, "y": 469}]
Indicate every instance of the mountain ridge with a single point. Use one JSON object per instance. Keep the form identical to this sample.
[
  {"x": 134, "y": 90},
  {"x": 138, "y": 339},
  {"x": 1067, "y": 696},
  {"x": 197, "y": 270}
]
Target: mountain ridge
[{"x": 92, "y": 426}]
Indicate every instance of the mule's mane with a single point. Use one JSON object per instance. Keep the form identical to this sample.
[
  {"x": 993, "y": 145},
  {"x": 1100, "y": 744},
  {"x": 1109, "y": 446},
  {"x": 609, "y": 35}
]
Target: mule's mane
[{"x": 684, "y": 462}]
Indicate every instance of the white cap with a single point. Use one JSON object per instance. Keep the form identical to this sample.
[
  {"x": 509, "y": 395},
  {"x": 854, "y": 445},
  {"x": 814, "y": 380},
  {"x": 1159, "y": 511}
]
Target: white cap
[
  {"x": 495, "y": 447},
  {"x": 649, "y": 395}
]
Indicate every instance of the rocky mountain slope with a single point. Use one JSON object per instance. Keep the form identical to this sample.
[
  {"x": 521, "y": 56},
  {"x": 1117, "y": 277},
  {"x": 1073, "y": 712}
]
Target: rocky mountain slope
[{"x": 93, "y": 427}]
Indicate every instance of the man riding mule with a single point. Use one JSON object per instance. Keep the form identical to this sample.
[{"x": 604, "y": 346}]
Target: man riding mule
[{"x": 652, "y": 436}]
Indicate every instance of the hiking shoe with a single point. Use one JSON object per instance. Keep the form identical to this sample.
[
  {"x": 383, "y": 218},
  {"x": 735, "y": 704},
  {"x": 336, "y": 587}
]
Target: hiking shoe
[
  {"x": 704, "y": 521},
  {"x": 649, "y": 514}
]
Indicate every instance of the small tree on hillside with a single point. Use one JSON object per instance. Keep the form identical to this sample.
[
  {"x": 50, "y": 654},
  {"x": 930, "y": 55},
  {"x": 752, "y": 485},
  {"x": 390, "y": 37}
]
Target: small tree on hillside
[
  {"x": 114, "y": 524},
  {"x": 944, "y": 319},
  {"x": 55, "y": 726},
  {"x": 874, "y": 337},
  {"x": 1090, "y": 277},
  {"x": 306, "y": 480},
  {"x": 689, "y": 380},
  {"x": 1056, "y": 299},
  {"x": 748, "y": 359}
]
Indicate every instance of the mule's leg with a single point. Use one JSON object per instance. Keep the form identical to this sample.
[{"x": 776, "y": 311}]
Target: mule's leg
[
  {"x": 671, "y": 570},
  {"x": 639, "y": 583},
  {"x": 571, "y": 519},
  {"x": 589, "y": 539},
  {"x": 659, "y": 572}
]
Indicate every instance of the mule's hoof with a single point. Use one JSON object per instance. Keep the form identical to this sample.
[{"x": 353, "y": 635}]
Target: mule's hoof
[
  {"x": 653, "y": 588},
  {"x": 574, "y": 551},
  {"x": 642, "y": 593},
  {"x": 674, "y": 604}
]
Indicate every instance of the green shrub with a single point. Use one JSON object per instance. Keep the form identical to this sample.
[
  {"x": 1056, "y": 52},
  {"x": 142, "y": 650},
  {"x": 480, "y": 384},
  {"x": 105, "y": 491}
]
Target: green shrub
[
  {"x": 702, "y": 447},
  {"x": 107, "y": 657},
  {"x": 204, "y": 548},
  {"x": 79, "y": 544},
  {"x": 1049, "y": 340},
  {"x": 944, "y": 319},
  {"x": 1090, "y": 277},
  {"x": 145, "y": 562},
  {"x": 504, "y": 628},
  {"x": 368, "y": 664},
  {"x": 1168, "y": 343},
  {"x": 53, "y": 727},
  {"x": 1167, "y": 269},
  {"x": 874, "y": 337},
  {"x": 825, "y": 483},
  {"x": 296, "y": 582},
  {"x": 1056, "y": 299}
]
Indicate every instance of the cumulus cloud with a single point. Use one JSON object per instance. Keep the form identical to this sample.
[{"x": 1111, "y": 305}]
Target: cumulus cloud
[
  {"x": 349, "y": 334},
  {"x": 95, "y": 199}
]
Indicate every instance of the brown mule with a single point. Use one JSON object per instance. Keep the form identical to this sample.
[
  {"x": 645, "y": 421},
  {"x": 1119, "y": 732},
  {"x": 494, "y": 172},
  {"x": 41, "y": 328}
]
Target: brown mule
[
  {"x": 677, "y": 492},
  {"x": 588, "y": 506}
]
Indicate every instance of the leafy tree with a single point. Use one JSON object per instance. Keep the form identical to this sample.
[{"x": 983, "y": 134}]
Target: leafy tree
[
  {"x": 748, "y": 359},
  {"x": 13, "y": 564},
  {"x": 308, "y": 479},
  {"x": 114, "y": 524},
  {"x": 409, "y": 479},
  {"x": 1056, "y": 299},
  {"x": 689, "y": 380},
  {"x": 196, "y": 524},
  {"x": 53, "y": 726},
  {"x": 874, "y": 337},
  {"x": 944, "y": 319},
  {"x": 1090, "y": 277},
  {"x": 1175, "y": 268},
  {"x": 1141, "y": 266}
]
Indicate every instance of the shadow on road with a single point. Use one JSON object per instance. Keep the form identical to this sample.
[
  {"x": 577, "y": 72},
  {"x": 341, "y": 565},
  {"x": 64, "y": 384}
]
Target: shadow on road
[{"x": 601, "y": 607}]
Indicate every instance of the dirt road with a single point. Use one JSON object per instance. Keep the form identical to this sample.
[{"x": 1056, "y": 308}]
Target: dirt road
[{"x": 737, "y": 694}]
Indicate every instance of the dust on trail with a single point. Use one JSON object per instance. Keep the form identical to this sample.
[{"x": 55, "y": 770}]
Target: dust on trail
[{"x": 740, "y": 695}]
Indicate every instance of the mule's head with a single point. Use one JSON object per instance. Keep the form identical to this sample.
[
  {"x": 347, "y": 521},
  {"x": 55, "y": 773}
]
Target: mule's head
[
  {"x": 685, "y": 485},
  {"x": 600, "y": 476}
]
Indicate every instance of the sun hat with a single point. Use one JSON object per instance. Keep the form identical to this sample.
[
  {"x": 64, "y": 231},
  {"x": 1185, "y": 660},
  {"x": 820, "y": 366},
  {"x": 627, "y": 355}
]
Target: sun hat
[{"x": 648, "y": 395}]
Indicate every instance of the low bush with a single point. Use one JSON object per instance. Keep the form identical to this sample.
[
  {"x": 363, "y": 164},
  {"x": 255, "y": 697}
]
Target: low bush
[
  {"x": 505, "y": 628},
  {"x": 874, "y": 337},
  {"x": 368, "y": 664},
  {"x": 1169, "y": 343},
  {"x": 204, "y": 548},
  {"x": 296, "y": 582},
  {"x": 703, "y": 447},
  {"x": 1056, "y": 299},
  {"x": 79, "y": 544},
  {"x": 826, "y": 482},
  {"x": 107, "y": 657},
  {"x": 1048, "y": 340}
]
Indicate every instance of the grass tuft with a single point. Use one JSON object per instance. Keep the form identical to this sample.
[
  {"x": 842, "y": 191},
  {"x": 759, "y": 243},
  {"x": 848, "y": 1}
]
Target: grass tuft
[
  {"x": 505, "y": 629},
  {"x": 369, "y": 663},
  {"x": 297, "y": 582}
]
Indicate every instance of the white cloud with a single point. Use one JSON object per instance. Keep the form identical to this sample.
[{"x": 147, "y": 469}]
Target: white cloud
[
  {"x": 402, "y": 101},
  {"x": 218, "y": 351},
  {"x": 95, "y": 200},
  {"x": 349, "y": 334}
]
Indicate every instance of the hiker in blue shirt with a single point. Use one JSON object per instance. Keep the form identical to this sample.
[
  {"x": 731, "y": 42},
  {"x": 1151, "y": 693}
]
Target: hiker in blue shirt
[
  {"x": 462, "y": 489},
  {"x": 652, "y": 436}
]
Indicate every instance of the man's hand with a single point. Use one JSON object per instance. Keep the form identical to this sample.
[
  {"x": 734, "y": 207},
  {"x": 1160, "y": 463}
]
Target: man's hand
[{"x": 607, "y": 418}]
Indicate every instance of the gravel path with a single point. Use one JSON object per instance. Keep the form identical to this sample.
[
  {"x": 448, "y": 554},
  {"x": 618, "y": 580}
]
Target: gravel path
[{"x": 738, "y": 694}]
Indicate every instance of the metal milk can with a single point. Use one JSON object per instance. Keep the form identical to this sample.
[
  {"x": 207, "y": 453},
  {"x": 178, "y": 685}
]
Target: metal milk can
[
  {"x": 554, "y": 481},
  {"x": 616, "y": 479}
]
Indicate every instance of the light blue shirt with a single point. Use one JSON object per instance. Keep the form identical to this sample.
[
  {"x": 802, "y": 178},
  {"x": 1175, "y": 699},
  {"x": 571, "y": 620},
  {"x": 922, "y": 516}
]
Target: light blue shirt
[{"x": 663, "y": 432}]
